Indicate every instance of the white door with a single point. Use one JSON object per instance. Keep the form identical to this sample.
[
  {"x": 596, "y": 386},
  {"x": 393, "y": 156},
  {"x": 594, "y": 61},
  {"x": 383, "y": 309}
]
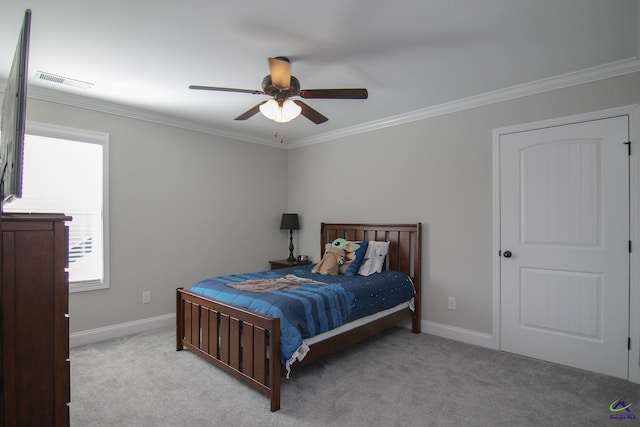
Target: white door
[{"x": 564, "y": 239}]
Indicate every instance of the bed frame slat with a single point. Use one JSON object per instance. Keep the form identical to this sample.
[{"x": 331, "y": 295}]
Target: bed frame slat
[
  {"x": 187, "y": 321},
  {"x": 392, "y": 260},
  {"x": 224, "y": 338},
  {"x": 205, "y": 319},
  {"x": 404, "y": 253},
  {"x": 234, "y": 343},
  {"x": 214, "y": 328},
  {"x": 247, "y": 349},
  {"x": 260, "y": 365},
  {"x": 195, "y": 325}
]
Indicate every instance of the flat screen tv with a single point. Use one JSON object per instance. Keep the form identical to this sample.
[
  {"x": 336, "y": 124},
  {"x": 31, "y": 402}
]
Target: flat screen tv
[{"x": 12, "y": 126}]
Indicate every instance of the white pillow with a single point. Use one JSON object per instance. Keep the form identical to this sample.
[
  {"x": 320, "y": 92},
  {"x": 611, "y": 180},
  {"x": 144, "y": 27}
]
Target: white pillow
[{"x": 374, "y": 258}]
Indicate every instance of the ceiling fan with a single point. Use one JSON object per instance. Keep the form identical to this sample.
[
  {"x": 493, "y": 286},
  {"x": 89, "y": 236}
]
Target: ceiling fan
[{"x": 281, "y": 86}]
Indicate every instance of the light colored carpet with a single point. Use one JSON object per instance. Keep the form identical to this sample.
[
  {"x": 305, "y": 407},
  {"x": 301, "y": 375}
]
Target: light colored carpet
[{"x": 395, "y": 379}]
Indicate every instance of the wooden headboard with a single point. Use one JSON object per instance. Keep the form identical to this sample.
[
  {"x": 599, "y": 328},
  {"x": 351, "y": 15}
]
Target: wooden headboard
[{"x": 405, "y": 246}]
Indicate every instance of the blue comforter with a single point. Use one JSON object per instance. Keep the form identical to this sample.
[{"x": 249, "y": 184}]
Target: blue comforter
[{"x": 312, "y": 308}]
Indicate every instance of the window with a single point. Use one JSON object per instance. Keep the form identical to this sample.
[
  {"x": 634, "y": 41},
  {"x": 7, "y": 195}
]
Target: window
[{"x": 66, "y": 170}]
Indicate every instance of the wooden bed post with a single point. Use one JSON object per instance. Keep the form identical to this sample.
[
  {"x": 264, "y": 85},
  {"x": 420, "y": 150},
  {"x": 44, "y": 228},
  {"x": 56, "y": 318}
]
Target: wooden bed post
[
  {"x": 275, "y": 371},
  {"x": 417, "y": 314},
  {"x": 179, "y": 321}
]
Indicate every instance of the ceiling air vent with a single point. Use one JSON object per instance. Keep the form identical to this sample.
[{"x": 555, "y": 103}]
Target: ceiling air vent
[{"x": 41, "y": 75}]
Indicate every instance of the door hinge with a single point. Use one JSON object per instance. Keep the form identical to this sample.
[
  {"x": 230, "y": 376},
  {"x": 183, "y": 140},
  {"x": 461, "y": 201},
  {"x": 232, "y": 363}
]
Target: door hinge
[
  {"x": 628, "y": 144},
  {"x": 628, "y": 343},
  {"x": 629, "y": 246}
]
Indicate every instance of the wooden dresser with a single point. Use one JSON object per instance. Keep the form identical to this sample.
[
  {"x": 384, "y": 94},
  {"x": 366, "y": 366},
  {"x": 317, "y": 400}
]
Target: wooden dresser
[{"x": 34, "y": 321}]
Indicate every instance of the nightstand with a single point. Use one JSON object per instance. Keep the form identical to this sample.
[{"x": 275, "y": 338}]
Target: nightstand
[{"x": 283, "y": 263}]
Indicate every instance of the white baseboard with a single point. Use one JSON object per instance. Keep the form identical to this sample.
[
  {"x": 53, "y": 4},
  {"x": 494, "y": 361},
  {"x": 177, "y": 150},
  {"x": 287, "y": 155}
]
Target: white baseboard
[
  {"x": 129, "y": 328},
  {"x": 121, "y": 330},
  {"x": 459, "y": 334}
]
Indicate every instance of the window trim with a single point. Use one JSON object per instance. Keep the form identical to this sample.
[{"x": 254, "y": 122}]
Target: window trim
[{"x": 92, "y": 137}]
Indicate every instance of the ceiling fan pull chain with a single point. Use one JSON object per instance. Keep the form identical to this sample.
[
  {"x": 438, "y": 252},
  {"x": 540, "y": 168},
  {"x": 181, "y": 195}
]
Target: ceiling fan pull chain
[{"x": 275, "y": 135}]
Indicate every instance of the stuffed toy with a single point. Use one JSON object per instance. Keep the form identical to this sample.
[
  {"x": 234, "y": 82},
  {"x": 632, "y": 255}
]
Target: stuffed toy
[{"x": 334, "y": 256}]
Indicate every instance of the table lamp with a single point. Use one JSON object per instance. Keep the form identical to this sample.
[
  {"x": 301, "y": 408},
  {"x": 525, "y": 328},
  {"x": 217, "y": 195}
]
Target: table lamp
[{"x": 290, "y": 222}]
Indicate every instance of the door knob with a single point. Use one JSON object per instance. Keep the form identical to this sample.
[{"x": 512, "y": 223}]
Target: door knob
[{"x": 507, "y": 254}]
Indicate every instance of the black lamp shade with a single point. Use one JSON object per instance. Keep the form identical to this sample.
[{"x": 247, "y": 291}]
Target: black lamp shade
[{"x": 289, "y": 222}]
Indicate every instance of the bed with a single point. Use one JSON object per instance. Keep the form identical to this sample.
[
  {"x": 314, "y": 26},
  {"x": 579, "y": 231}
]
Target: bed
[{"x": 254, "y": 342}]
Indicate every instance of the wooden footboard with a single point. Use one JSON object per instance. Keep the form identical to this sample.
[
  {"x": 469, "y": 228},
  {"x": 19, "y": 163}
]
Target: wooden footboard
[{"x": 243, "y": 343}]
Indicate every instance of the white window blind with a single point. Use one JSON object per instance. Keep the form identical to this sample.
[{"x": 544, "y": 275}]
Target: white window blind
[{"x": 65, "y": 173}]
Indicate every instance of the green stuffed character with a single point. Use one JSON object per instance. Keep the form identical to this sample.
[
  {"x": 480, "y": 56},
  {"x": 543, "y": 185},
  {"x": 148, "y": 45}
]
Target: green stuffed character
[{"x": 334, "y": 256}]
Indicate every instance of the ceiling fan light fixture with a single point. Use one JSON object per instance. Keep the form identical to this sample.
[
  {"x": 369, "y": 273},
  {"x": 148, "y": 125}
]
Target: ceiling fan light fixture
[{"x": 284, "y": 113}]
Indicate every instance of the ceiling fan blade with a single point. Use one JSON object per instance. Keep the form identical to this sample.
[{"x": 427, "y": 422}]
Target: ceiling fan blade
[
  {"x": 310, "y": 113},
  {"x": 227, "y": 89},
  {"x": 334, "y": 93},
  {"x": 280, "y": 68},
  {"x": 250, "y": 112}
]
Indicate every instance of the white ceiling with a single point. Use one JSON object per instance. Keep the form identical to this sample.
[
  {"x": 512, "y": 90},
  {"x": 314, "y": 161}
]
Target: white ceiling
[{"x": 411, "y": 55}]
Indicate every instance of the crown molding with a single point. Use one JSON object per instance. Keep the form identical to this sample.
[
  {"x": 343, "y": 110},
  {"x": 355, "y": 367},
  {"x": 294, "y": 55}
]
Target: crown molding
[
  {"x": 109, "y": 107},
  {"x": 613, "y": 69}
]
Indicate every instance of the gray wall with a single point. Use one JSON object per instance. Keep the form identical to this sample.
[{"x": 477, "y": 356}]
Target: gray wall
[
  {"x": 436, "y": 171},
  {"x": 183, "y": 206},
  {"x": 186, "y": 205}
]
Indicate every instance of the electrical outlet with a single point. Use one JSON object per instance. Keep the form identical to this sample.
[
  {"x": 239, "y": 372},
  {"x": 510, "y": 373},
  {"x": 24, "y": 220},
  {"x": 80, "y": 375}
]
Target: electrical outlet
[
  {"x": 146, "y": 297},
  {"x": 452, "y": 303}
]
